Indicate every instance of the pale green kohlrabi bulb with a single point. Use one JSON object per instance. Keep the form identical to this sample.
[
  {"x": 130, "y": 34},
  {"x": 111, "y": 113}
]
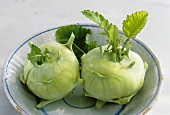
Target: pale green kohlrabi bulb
[
  {"x": 55, "y": 79},
  {"x": 110, "y": 81}
]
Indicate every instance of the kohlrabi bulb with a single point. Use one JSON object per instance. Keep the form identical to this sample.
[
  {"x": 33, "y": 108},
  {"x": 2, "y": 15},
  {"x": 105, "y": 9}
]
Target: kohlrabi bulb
[
  {"x": 110, "y": 81},
  {"x": 56, "y": 77}
]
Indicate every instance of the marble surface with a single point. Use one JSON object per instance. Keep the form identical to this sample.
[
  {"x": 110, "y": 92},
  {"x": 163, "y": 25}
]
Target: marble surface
[{"x": 19, "y": 19}]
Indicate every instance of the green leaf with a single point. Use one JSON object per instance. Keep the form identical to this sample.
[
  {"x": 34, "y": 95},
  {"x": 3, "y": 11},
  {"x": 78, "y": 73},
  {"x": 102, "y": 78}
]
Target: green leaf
[
  {"x": 113, "y": 34},
  {"x": 81, "y": 43},
  {"x": 134, "y": 23},
  {"x": 35, "y": 55},
  {"x": 98, "y": 18}
]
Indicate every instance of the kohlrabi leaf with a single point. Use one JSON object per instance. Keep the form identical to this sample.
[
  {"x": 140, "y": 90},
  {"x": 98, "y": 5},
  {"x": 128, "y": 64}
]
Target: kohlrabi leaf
[
  {"x": 98, "y": 18},
  {"x": 113, "y": 35},
  {"x": 36, "y": 56},
  {"x": 80, "y": 45},
  {"x": 134, "y": 23}
]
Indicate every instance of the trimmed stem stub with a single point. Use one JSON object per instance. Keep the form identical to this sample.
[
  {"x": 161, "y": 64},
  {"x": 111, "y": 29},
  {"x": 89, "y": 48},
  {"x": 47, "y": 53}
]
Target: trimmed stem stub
[{"x": 70, "y": 41}]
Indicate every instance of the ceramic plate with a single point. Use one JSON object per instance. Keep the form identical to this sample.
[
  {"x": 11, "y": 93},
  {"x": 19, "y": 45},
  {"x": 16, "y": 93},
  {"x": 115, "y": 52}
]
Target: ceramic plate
[{"x": 76, "y": 103}]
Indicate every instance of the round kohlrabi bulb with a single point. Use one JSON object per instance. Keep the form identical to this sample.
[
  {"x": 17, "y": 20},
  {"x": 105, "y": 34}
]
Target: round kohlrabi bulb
[
  {"x": 110, "y": 81},
  {"x": 55, "y": 78}
]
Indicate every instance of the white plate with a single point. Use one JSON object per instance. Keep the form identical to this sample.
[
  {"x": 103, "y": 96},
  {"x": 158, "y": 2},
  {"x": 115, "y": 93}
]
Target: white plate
[{"x": 75, "y": 103}]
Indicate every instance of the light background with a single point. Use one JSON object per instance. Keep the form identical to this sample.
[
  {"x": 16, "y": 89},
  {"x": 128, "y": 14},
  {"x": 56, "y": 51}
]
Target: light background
[{"x": 19, "y": 19}]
